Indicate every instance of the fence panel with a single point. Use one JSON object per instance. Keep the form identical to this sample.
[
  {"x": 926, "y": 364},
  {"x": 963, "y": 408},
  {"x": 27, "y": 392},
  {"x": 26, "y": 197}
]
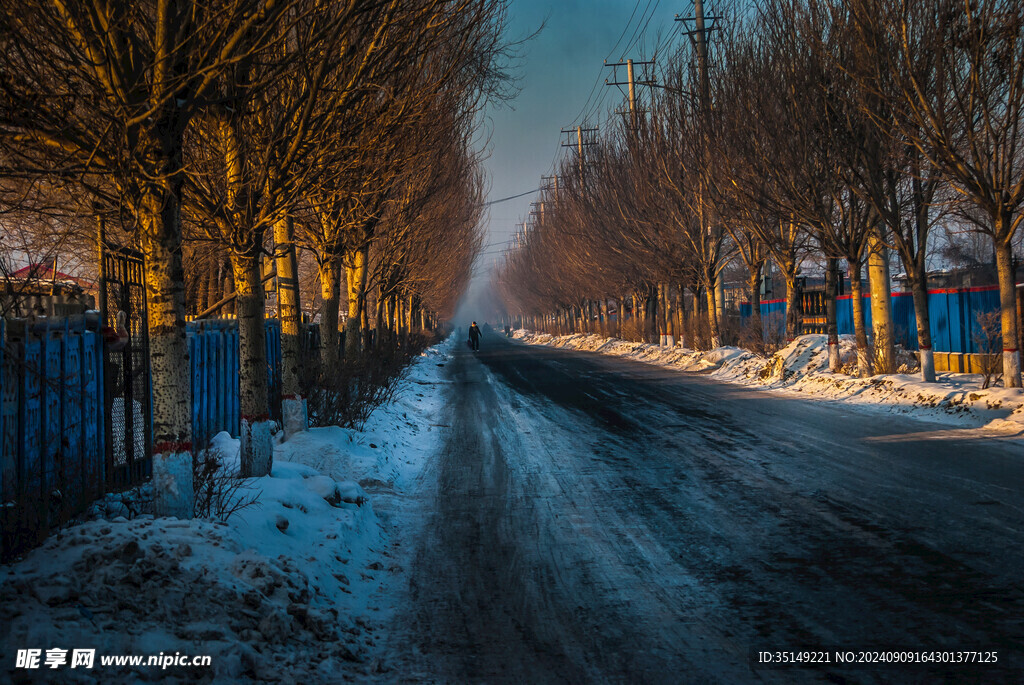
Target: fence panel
[
  {"x": 51, "y": 427},
  {"x": 216, "y": 404},
  {"x": 952, "y": 316},
  {"x": 55, "y": 422}
]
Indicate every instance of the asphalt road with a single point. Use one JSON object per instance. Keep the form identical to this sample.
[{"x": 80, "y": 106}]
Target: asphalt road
[{"x": 592, "y": 519}]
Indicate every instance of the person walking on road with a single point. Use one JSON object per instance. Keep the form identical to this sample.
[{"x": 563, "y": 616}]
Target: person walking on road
[{"x": 474, "y": 337}]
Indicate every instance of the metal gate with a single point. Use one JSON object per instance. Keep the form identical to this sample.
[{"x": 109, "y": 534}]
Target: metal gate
[{"x": 126, "y": 368}]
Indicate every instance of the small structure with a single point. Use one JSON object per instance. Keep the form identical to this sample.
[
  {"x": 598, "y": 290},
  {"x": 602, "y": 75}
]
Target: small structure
[{"x": 41, "y": 290}]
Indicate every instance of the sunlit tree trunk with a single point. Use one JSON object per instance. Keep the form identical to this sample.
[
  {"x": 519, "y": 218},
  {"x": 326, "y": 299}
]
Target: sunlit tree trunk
[
  {"x": 330, "y": 277},
  {"x": 716, "y": 336},
  {"x": 1008, "y": 312},
  {"x": 881, "y": 309},
  {"x": 793, "y": 313},
  {"x": 859, "y": 327},
  {"x": 754, "y": 283},
  {"x": 256, "y": 452},
  {"x": 293, "y": 405},
  {"x": 681, "y": 314},
  {"x": 355, "y": 269},
  {"x": 173, "y": 493}
]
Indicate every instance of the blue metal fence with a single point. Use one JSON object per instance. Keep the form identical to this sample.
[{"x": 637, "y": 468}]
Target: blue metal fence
[
  {"x": 953, "y": 316},
  {"x": 52, "y": 424},
  {"x": 213, "y": 348},
  {"x": 52, "y": 461}
]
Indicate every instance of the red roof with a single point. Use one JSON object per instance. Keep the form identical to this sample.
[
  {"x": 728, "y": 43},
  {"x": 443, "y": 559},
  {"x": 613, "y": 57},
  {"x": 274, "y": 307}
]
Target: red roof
[{"x": 44, "y": 272}]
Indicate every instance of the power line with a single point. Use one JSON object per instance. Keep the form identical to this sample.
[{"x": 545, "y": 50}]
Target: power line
[
  {"x": 638, "y": 31},
  {"x": 644, "y": 30},
  {"x": 510, "y": 197},
  {"x": 582, "y": 116}
]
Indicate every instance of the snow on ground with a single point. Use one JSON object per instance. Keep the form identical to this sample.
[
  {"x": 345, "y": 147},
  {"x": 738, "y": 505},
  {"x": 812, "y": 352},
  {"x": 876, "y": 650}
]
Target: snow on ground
[
  {"x": 290, "y": 589},
  {"x": 802, "y": 367}
]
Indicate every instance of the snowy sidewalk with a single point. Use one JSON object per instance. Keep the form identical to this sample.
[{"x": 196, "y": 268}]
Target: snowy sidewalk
[
  {"x": 801, "y": 368},
  {"x": 291, "y": 589}
]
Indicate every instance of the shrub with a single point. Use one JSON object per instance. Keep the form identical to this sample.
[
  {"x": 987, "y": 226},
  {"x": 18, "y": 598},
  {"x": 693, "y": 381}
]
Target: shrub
[
  {"x": 346, "y": 394},
  {"x": 219, "y": 491},
  {"x": 988, "y": 339}
]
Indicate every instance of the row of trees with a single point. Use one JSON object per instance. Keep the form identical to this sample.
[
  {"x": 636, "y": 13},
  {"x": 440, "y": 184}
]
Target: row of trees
[
  {"x": 216, "y": 133},
  {"x": 813, "y": 130}
]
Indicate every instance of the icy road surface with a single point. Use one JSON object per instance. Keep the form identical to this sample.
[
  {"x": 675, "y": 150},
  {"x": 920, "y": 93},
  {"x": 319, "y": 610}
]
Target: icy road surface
[{"x": 591, "y": 519}]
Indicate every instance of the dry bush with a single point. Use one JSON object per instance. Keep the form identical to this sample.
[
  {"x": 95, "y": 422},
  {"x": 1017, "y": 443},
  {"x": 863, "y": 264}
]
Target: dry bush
[
  {"x": 988, "y": 339},
  {"x": 346, "y": 394},
  {"x": 219, "y": 490},
  {"x": 907, "y": 361},
  {"x": 632, "y": 330},
  {"x": 764, "y": 337},
  {"x": 731, "y": 329},
  {"x": 698, "y": 333}
]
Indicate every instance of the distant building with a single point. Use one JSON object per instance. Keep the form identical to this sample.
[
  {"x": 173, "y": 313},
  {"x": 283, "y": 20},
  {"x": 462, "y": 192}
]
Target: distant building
[{"x": 39, "y": 290}]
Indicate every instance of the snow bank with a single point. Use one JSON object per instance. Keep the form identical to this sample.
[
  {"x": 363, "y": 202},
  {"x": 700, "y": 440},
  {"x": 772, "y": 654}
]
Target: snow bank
[
  {"x": 287, "y": 590},
  {"x": 802, "y": 367}
]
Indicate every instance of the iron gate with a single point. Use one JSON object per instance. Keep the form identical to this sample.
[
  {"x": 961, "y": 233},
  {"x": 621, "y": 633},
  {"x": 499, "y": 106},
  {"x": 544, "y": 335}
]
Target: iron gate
[{"x": 126, "y": 368}]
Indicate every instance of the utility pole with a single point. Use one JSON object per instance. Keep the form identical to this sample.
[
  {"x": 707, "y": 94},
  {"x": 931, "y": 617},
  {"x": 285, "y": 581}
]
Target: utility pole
[
  {"x": 580, "y": 143},
  {"x": 538, "y": 212},
  {"x": 550, "y": 184},
  {"x": 631, "y": 82},
  {"x": 703, "y": 25}
]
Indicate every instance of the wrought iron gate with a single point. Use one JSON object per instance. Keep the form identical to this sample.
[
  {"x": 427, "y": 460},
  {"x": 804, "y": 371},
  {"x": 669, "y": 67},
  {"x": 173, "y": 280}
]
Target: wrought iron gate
[{"x": 126, "y": 369}]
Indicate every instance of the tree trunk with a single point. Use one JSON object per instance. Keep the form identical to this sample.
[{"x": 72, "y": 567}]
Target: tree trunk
[
  {"x": 713, "y": 330},
  {"x": 407, "y": 321},
  {"x": 606, "y": 323},
  {"x": 662, "y": 327},
  {"x": 206, "y": 278},
  {"x": 793, "y": 313},
  {"x": 651, "y": 314},
  {"x": 919, "y": 289},
  {"x": 720, "y": 303},
  {"x": 330, "y": 274},
  {"x": 835, "y": 361},
  {"x": 1008, "y": 319},
  {"x": 881, "y": 306},
  {"x": 681, "y": 314},
  {"x": 638, "y": 317},
  {"x": 256, "y": 453},
  {"x": 229, "y": 287},
  {"x": 859, "y": 328},
  {"x": 754, "y": 283},
  {"x": 379, "y": 315},
  {"x": 355, "y": 270},
  {"x": 170, "y": 376},
  {"x": 293, "y": 406},
  {"x": 670, "y": 320}
]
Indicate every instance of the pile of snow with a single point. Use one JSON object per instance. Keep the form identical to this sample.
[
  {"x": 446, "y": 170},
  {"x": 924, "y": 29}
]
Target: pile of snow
[
  {"x": 802, "y": 367},
  {"x": 290, "y": 589}
]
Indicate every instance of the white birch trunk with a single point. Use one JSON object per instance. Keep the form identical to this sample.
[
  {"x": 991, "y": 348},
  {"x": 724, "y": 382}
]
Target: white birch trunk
[{"x": 173, "y": 493}]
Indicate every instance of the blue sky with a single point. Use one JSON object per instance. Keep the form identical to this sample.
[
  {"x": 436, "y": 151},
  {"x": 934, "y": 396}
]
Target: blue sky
[{"x": 559, "y": 70}]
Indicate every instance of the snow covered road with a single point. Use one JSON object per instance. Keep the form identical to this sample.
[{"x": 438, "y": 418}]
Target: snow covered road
[{"x": 591, "y": 519}]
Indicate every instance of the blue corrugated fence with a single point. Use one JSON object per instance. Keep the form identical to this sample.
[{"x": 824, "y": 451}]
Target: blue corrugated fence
[{"x": 953, "y": 316}]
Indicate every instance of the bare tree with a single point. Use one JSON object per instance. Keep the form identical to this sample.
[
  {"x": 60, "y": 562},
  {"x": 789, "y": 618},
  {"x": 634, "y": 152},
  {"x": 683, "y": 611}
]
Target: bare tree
[{"x": 952, "y": 75}]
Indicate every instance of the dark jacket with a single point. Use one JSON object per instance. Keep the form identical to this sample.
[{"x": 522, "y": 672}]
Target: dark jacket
[{"x": 474, "y": 332}]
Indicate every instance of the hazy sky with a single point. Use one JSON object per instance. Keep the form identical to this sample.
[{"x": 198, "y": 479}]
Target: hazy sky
[{"x": 560, "y": 69}]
